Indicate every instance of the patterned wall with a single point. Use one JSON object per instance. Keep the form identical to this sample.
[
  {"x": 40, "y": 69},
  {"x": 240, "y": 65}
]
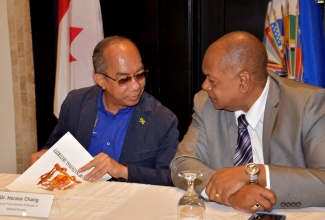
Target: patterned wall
[{"x": 23, "y": 80}]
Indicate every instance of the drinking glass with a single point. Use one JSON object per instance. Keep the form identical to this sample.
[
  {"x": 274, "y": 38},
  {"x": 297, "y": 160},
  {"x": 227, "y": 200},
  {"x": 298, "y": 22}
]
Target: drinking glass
[{"x": 190, "y": 206}]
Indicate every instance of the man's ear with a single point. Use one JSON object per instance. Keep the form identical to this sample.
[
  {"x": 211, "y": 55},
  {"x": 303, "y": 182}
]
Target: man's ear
[
  {"x": 99, "y": 79},
  {"x": 245, "y": 81}
]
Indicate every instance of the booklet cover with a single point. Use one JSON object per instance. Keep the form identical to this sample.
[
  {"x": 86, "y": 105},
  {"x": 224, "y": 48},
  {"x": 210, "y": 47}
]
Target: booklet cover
[{"x": 56, "y": 172}]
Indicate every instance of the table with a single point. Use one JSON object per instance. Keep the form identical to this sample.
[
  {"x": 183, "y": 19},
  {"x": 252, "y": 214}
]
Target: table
[{"x": 125, "y": 201}]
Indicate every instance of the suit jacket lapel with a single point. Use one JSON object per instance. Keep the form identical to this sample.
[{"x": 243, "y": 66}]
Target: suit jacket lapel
[
  {"x": 233, "y": 133},
  {"x": 87, "y": 118},
  {"x": 136, "y": 131},
  {"x": 271, "y": 111}
]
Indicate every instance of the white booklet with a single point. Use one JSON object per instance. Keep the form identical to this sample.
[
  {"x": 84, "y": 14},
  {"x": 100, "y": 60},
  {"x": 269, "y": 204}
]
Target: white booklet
[{"x": 56, "y": 172}]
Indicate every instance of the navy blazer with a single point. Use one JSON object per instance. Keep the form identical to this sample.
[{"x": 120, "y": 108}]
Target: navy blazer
[{"x": 148, "y": 147}]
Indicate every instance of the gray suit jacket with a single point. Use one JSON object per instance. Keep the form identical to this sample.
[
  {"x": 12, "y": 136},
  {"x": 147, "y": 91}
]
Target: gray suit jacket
[{"x": 293, "y": 142}]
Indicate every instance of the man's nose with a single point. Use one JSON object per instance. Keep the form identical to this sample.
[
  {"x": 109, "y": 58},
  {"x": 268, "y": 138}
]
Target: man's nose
[{"x": 206, "y": 85}]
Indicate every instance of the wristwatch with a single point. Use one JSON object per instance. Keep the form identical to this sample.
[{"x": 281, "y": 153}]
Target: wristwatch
[{"x": 252, "y": 170}]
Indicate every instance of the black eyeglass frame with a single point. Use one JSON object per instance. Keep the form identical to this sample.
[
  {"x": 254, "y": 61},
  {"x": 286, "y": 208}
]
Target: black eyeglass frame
[{"x": 144, "y": 72}]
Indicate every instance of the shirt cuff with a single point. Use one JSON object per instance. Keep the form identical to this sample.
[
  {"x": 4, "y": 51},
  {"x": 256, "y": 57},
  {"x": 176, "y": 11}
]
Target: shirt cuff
[
  {"x": 267, "y": 176},
  {"x": 204, "y": 195}
]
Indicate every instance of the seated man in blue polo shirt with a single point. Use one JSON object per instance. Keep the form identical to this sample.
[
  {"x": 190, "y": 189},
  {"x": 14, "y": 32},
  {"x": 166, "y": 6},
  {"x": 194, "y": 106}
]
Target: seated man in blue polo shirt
[{"x": 130, "y": 134}]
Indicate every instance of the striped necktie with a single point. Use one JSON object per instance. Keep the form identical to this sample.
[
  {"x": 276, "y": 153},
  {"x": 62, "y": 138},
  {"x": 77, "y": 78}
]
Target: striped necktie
[{"x": 243, "y": 153}]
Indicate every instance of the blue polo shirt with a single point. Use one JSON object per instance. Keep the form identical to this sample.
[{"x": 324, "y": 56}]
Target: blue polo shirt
[{"x": 109, "y": 130}]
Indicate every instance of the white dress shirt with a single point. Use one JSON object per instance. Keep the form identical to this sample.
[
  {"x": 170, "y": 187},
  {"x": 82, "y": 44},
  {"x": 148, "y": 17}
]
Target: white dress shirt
[{"x": 255, "y": 118}]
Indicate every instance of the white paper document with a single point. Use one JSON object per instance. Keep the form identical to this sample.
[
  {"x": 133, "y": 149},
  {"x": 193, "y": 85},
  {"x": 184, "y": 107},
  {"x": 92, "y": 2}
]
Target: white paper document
[{"x": 56, "y": 172}]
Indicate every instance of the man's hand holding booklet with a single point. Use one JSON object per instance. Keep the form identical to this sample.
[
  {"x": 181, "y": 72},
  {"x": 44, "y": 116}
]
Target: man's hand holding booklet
[{"x": 56, "y": 172}]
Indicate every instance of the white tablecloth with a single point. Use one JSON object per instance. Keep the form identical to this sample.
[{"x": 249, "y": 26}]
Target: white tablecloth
[{"x": 126, "y": 201}]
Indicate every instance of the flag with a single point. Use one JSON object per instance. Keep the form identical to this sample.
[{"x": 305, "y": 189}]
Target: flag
[
  {"x": 80, "y": 29},
  {"x": 313, "y": 42},
  {"x": 294, "y": 40},
  {"x": 273, "y": 38},
  {"x": 282, "y": 39}
]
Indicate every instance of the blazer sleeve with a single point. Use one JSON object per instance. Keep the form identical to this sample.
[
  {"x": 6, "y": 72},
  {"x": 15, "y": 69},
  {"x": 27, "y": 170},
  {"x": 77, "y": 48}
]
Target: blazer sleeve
[
  {"x": 192, "y": 151},
  {"x": 77, "y": 115},
  {"x": 298, "y": 178}
]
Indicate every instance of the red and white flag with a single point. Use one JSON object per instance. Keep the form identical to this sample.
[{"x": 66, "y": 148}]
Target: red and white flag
[{"x": 80, "y": 29}]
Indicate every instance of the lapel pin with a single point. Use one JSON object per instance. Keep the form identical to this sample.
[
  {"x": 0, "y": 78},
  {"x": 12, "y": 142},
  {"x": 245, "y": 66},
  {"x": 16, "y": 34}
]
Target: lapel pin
[{"x": 142, "y": 121}]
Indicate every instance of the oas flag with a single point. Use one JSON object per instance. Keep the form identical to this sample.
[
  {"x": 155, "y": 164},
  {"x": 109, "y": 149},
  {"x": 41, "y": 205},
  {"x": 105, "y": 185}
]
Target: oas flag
[{"x": 294, "y": 40}]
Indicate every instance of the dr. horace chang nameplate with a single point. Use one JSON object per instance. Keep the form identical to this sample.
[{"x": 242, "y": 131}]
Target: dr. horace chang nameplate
[{"x": 25, "y": 204}]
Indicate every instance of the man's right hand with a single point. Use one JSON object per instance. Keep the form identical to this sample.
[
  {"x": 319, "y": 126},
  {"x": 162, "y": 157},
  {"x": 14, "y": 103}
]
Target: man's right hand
[{"x": 36, "y": 156}]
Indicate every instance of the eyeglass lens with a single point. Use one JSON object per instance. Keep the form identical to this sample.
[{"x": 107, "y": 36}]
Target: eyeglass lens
[{"x": 139, "y": 77}]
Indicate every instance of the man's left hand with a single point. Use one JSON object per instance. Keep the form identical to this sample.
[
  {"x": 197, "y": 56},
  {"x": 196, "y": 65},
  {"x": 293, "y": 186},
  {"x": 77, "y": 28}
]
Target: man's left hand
[{"x": 252, "y": 198}]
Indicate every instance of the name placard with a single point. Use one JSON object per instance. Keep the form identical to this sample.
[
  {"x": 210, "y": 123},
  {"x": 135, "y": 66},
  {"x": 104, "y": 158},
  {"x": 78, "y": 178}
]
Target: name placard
[{"x": 25, "y": 204}]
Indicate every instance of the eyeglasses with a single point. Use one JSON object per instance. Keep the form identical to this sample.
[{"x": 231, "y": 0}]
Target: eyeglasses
[{"x": 125, "y": 81}]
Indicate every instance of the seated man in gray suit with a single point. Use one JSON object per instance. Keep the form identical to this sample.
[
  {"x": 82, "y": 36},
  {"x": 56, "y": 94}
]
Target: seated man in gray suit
[
  {"x": 279, "y": 158},
  {"x": 131, "y": 135}
]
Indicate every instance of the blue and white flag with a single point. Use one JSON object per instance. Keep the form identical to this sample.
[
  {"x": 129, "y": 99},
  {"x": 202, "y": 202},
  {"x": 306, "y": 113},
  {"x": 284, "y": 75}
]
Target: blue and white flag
[{"x": 294, "y": 39}]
